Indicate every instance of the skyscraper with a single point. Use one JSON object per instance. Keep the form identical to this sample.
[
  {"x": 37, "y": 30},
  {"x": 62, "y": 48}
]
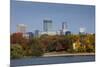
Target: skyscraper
[
  {"x": 64, "y": 27},
  {"x": 82, "y": 30},
  {"x": 21, "y": 28},
  {"x": 47, "y": 25},
  {"x": 37, "y": 33}
]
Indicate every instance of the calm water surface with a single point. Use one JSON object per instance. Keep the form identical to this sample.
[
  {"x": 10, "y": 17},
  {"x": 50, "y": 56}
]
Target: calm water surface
[{"x": 51, "y": 60}]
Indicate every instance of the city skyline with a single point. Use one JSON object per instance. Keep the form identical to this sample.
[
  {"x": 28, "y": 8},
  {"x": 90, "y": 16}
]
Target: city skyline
[{"x": 32, "y": 14}]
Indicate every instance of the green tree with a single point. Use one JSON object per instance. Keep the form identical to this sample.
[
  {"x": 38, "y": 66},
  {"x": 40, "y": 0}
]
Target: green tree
[
  {"x": 16, "y": 51},
  {"x": 36, "y": 48}
]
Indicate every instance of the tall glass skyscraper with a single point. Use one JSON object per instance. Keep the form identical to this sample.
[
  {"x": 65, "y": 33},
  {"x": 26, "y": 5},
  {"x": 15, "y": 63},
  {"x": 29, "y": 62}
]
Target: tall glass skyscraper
[
  {"x": 47, "y": 25},
  {"x": 64, "y": 26}
]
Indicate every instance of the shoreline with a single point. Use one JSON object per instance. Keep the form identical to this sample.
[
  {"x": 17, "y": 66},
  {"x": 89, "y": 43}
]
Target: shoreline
[
  {"x": 59, "y": 55},
  {"x": 67, "y": 54}
]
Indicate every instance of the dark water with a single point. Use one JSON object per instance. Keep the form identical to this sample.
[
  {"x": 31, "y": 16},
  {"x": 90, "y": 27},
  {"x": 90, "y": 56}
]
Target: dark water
[{"x": 51, "y": 60}]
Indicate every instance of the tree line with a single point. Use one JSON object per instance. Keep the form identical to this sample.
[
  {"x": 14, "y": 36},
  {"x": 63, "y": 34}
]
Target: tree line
[{"x": 37, "y": 46}]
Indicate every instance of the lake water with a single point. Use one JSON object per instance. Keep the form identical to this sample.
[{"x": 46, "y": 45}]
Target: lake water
[{"x": 51, "y": 60}]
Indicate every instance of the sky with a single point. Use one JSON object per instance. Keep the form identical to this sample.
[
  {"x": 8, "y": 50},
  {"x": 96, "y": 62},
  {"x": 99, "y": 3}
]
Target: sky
[{"x": 32, "y": 14}]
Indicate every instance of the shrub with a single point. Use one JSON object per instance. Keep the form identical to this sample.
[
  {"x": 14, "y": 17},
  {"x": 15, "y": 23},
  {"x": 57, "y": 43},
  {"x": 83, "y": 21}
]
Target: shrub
[
  {"x": 16, "y": 51},
  {"x": 90, "y": 48},
  {"x": 36, "y": 47}
]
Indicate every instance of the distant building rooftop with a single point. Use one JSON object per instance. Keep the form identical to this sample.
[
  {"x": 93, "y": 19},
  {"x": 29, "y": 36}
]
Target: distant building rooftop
[{"x": 48, "y": 33}]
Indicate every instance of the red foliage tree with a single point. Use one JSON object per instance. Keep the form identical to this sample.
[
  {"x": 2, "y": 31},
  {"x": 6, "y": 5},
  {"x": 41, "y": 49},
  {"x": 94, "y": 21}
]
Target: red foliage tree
[{"x": 17, "y": 38}]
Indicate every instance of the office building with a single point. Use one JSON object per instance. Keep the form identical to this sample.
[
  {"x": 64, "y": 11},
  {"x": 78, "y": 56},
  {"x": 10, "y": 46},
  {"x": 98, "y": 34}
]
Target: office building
[
  {"x": 47, "y": 25},
  {"x": 82, "y": 31},
  {"x": 28, "y": 35},
  {"x": 67, "y": 33},
  {"x": 21, "y": 28},
  {"x": 64, "y": 28},
  {"x": 36, "y": 33}
]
